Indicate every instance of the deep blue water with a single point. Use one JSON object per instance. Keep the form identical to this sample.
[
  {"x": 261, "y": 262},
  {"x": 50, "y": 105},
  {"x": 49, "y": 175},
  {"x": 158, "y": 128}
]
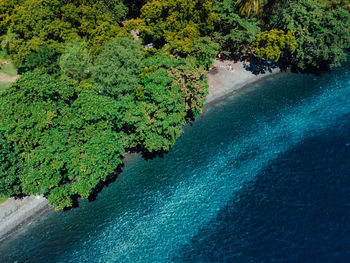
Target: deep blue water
[{"x": 262, "y": 176}]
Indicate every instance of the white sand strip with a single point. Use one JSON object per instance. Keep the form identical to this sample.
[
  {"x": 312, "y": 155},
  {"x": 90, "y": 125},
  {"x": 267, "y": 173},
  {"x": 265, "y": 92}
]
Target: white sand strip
[
  {"x": 223, "y": 81},
  {"x": 15, "y": 212}
]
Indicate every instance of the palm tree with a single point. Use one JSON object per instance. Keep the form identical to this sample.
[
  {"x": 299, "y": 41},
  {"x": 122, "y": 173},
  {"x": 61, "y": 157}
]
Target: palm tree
[
  {"x": 249, "y": 6},
  {"x": 254, "y": 6}
]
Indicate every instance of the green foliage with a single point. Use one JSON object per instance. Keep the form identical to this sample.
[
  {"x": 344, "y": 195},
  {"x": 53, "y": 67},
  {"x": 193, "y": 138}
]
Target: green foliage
[
  {"x": 36, "y": 23},
  {"x": 45, "y": 59},
  {"x": 193, "y": 83},
  {"x": 334, "y": 4},
  {"x": 272, "y": 44},
  {"x": 234, "y": 33},
  {"x": 172, "y": 91},
  {"x": 116, "y": 8},
  {"x": 7, "y": 8},
  {"x": 66, "y": 140},
  {"x": 116, "y": 69},
  {"x": 9, "y": 166},
  {"x": 31, "y": 104},
  {"x": 178, "y": 22},
  {"x": 72, "y": 159},
  {"x": 75, "y": 61},
  {"x": 155, "y": 120},
  {"x": 322, "y": 35},
  {"x": 4, "y": 55},
  {"x": 249, "y": 7},
  {"x": 205, "y": 51}
]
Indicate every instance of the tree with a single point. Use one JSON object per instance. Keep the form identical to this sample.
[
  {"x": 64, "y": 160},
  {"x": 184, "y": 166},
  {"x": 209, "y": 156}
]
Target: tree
[
  {"x": 249, "y": 6},
  {"x": 10, "y": 166},
  {"x": 334, "y": 4},
  {"x": 72, "y": 160},
  {"x": 234, "y": 33},
  {"x": 156, "y": 118},
  {"x": 272, "y": 44},
  {"x": 45, "y": 59},
  {"x": 192, "y": 81},
  {"x": 117, "y": 8},
  {"x": 75, "y": 61},
  {"x": 322, "y": 35},
  {"x": 116, "y": 69},
  {"x": 36, "y": 23},
  {"x": 177, "y": 22},
  {"x": 7, "y": 8},
  {"x": 205, "y": 51},
  {"x": 66, "y": 140}
]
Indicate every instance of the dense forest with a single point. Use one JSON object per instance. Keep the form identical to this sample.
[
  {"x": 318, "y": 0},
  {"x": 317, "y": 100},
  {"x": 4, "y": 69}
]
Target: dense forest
[{"x": 101, "y": 78}]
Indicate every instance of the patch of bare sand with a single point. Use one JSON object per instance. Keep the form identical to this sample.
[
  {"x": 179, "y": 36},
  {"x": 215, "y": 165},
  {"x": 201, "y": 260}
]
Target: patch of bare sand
[{"x": 7, "y": 79}]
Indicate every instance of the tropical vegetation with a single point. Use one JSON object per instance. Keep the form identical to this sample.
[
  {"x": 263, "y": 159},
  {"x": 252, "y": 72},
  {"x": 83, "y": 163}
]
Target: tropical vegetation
[{"x": 101, "y": 78}]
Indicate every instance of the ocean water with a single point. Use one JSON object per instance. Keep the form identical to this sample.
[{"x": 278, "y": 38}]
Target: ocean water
[{"x": 262, "y": 176}]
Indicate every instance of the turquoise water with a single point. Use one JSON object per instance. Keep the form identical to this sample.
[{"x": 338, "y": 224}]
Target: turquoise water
[{"x": 262, "y": 176}]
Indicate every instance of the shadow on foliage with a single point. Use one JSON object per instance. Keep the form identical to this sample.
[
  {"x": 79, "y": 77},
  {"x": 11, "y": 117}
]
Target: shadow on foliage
[
  {"x": 151, "y": 155},
  {"x": 259, "y": 66},
  {"x": 110, "y": 179},
  {"x": 94, "y": 194},
  {"x": 113, "y": 177},
  {"x": 322, "y": 68}
]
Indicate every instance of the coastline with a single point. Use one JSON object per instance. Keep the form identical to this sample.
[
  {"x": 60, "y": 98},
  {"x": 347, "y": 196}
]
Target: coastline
[
  {"x": 16, "y": 212},
  {"x": 223, "y": 82}
]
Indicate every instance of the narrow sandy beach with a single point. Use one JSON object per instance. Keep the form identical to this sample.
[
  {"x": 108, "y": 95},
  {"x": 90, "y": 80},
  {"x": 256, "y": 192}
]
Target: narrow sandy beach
[
  {"x": 15, "y": 212},
  {"x": 222, "y": 82}
]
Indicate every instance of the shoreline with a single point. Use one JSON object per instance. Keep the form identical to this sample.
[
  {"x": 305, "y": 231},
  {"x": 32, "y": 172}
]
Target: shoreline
[
  {"x": 14, "y": 213},
  {"x": 223, "y": 82}
]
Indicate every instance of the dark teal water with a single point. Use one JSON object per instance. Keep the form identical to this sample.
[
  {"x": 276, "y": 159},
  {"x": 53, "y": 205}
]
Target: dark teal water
[{"x": 260, "y": 177}]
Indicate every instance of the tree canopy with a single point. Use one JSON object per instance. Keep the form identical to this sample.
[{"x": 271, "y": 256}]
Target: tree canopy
[
  {"x": 36, "y": 23},
  {"x": 66, "y": 144},
  {"x": 75, "y": 61},
  {"x": 178, "y": 22},
  {"x": 272, "y": 44},
  {"x": 117, "y": 67},
  {"x": 321, "y": 34},
  {"x": 233, "y": 32}
]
